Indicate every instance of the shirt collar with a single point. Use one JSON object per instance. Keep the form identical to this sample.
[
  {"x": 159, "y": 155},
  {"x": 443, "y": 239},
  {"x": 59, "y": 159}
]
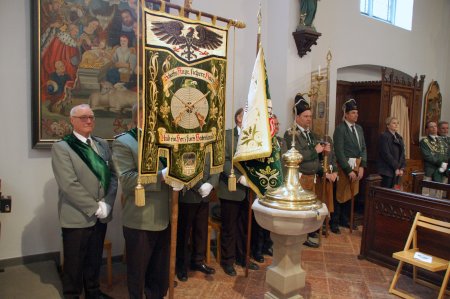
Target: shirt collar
[
  {"x": 349, "y": 124},
  {"x": 81, "y": 137},
  {"x": 301, "y": 128}
]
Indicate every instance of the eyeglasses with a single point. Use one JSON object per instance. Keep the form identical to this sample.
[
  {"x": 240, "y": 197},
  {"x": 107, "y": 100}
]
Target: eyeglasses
[{"x": 85, "y": 118}]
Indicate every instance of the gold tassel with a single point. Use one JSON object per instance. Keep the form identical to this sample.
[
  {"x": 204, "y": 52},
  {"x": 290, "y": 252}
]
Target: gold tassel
[
  {"x": 232, "y": 182},
  {"x": 139, "y": 195}
]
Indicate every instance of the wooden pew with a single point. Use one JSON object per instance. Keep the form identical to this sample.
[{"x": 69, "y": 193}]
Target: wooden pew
[
  {"x": 388, "y": 218},
  {"x": 418, "y": 183}
]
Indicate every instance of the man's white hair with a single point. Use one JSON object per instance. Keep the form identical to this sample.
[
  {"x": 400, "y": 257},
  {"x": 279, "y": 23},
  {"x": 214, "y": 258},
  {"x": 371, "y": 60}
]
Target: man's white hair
[{"x": 74, "y": 110}]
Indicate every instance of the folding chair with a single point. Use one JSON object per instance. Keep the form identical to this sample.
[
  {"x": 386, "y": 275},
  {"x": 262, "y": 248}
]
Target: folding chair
[{"x": 407, "y": 256}]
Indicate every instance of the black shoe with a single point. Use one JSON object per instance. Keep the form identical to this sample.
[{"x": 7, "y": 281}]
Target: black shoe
[
  {"x": 182, "y": 275},
  {"x": 335, "y": 230},
  {"x": 104, "y": 296},
  {"x": 229, "y": 270},
  {"x": 203, "y": 268},
  {"x": 347, "y": 225},
  {"x": 258, "y": 257},
  {"x": 310, "y": 243},
  {"x": 251, "y": 265},
  {"x": 313, "y": 235},
  {"x": 268, "y": 251}
]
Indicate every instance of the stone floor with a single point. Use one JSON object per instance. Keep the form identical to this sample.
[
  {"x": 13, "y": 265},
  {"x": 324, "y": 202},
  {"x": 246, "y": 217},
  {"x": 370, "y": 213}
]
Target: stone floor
[{"x": 333, "y": 271}]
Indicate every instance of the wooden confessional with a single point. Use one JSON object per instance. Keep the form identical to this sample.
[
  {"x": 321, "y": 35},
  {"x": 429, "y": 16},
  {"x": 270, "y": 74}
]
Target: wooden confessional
[{"x": 374, "y": 99}]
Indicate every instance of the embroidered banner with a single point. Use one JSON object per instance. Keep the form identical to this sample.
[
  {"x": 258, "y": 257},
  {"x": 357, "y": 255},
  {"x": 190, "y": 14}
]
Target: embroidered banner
[
  {"x": 185, "y": 63},
  {"x": 258, "y": 152}
]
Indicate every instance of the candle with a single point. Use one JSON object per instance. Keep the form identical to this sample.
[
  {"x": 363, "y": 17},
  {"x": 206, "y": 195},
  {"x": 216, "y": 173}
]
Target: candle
[{"x": 319, "y": 70}]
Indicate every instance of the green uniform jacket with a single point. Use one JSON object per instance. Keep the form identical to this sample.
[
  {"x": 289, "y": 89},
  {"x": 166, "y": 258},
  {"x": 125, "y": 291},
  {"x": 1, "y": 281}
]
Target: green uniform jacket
[
  {"x": 79, "y": 189},
  {"x": 154, "y": 216},
  {"x": 312, "y": 161},
  {"x": 346, "y": 146},
  {"x": 192, "y": 195},
  {"x": 433, "y": 153},
  {"x": 241, "y": 191}
]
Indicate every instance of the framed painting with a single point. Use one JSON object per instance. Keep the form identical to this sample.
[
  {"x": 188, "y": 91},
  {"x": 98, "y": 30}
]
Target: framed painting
[
  {"x": 83, "y": 52},
  {"x": 319, "y": 102},
  {"x": 432, "y": 106}
]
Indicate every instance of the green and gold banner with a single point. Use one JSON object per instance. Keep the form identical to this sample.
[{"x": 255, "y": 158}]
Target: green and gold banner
[
  {"x": 258, "y": 152},
  {"x": 185, "y": 63}
]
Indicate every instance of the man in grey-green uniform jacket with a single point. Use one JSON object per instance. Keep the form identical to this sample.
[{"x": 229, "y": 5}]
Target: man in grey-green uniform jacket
[
  {"x": 312, "y": 150},
  {"x": 193, "y": 213},
  {"x": 351, "y": 156},
  {"x": 233, "y": 207},
  {"x": 87, "y": 188},
  {"x": 146, "y": 229},
  {"x": 435, "y": 158}
]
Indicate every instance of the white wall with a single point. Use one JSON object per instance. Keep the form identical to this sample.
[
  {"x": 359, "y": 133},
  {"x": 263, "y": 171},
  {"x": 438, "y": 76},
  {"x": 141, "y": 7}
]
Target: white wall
[{"x": 26, "y": 174}]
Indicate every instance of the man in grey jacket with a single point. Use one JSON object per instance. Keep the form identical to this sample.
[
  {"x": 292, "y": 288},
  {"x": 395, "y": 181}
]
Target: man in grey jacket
[
  {"x": 87, "y": 190},
  {"x": 146, "y": 229}
]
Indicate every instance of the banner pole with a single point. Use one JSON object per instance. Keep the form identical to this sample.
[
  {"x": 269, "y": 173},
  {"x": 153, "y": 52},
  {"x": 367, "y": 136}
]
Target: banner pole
[{"x": 173, "y": 242}]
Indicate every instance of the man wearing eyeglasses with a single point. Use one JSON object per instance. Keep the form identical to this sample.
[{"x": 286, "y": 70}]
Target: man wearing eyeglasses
[{"x": 87, "y": 185}]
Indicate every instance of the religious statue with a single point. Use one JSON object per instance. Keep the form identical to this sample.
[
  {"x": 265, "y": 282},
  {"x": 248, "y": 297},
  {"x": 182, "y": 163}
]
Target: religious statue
[{"x": 307, "y": 12}]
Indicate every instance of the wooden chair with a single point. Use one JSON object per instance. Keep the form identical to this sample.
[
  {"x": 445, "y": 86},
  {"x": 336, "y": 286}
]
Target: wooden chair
[
  {"x": 216, "y": 225},
  {"x": 407, "y": 256}
]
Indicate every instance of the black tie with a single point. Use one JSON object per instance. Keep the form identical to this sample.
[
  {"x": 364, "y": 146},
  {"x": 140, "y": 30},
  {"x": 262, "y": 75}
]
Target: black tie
[
  {"x": 354, "y": 133},
  {"x": 308, "y": 136},
  {"x": 88, "y": 141}
]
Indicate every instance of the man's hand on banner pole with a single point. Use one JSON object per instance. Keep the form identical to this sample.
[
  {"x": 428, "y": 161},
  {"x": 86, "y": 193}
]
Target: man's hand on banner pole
[
  {"x": 177, "y": 186},
  {"x": 205, "y": 189}
]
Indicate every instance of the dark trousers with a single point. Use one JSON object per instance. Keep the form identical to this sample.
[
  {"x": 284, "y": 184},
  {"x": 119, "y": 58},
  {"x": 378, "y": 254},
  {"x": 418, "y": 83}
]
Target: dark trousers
[
  {"x": 234, "y": 230},
  {"x": 341, "y": 214},
  {"x": 192, "y": 216},
  {"x": 83, "y": 251},
  {"x": 260, "y": 238},
  {"x": 387, "y": 182},
  {"x": 148, "y": 254}
]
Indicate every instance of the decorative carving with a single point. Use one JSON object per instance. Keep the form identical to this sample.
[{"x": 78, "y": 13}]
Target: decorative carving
[
  {"x": 389, "y": 210},
  {"x": 305, "y": 39}
]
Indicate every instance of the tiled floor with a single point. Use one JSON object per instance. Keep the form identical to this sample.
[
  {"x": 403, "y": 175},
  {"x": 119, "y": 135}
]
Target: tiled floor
[{"x": 333, "y": 271}]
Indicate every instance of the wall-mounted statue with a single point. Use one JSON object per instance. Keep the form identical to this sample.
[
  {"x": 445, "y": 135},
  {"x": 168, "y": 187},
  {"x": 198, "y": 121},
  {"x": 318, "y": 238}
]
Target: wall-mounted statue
[{"x": 307, "y": 13}]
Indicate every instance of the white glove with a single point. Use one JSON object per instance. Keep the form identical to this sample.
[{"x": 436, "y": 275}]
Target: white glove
[
  {"x": 205, "y": 189},
  {"x": 177, "y": 186},
  {"x": 243, "y": 181},
  {"x": 443, "y": 167},
  {"x": 352, "y": 162},
  {"x": 103, "y": 210},
  {"x": 164, "y": 173}
]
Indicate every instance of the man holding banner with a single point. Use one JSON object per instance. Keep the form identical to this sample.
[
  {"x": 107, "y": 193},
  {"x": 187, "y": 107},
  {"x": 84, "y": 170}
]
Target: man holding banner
[
  {"x": 146, "y": 229},
  {"x": 233, "y": 207}
]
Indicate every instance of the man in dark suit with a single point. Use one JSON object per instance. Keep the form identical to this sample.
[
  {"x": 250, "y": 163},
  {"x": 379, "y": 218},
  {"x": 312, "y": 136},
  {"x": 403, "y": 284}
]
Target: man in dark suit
[
  {"x": 146, "y": 229},
  {"x": 193, "y": 215},
  {"x": 351, "y": 156},
  {"x": 391, "y": 154},
  {"x": 87, "y": 189},
  {"x": 234, "y": 207},
  {"x": 312, "y": 150}
]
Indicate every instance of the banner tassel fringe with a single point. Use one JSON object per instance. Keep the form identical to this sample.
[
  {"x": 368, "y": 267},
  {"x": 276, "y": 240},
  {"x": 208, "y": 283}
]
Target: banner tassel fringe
[
  {"x": 232, "y": 182},
  {"x": 139, "y": 195}
]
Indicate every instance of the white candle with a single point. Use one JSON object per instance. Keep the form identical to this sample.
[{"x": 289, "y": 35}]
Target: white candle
[{"x": 319, "y": 70}]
